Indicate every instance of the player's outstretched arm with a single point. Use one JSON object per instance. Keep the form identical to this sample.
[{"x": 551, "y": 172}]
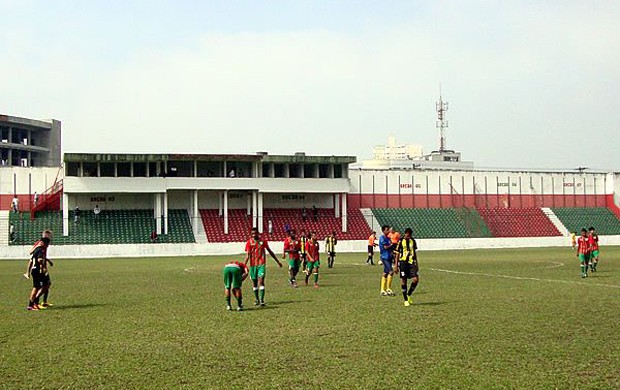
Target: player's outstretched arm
[{"x": 274, "y": 257}]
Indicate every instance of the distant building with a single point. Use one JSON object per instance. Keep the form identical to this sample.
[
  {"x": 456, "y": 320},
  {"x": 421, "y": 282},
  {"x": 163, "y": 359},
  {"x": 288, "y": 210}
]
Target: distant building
[
  {"x": 392, "y": 151},
  {"x": 411, "y": 156},
  {"x": 29, "y": 142}
]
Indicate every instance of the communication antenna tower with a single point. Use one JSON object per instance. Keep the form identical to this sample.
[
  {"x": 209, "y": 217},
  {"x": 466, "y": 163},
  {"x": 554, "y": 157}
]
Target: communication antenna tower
[{"x": 442, "y": 122}]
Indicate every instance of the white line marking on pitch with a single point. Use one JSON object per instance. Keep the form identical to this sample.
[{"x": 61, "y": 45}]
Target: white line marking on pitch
[
  {"x": 523, "y": 278},
  {"x": 556, "y": 264},
  {"x": 190, "y": 269}
]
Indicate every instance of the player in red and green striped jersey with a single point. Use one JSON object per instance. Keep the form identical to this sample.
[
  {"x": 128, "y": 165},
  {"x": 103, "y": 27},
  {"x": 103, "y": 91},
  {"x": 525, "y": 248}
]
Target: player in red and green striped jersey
[
  {"x": 593, "y": 237},
  {"x": 255, "y": 249},
  {"x": 583, "y": 252}
]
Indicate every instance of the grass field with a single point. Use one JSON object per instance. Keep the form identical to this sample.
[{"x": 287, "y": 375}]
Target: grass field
[{"x": 481, "y": 319}]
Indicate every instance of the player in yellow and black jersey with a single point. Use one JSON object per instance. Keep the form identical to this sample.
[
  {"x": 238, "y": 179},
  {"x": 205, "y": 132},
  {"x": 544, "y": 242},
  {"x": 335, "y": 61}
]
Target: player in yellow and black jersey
[{"x": 407, "y": 260}]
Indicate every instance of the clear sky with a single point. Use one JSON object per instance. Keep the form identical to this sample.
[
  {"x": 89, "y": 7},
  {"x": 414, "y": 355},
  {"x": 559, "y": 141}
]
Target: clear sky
[{"x": 532, "y": 84}]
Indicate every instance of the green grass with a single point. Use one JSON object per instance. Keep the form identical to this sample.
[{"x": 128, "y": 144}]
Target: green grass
[{"x": 161, "y": 323}]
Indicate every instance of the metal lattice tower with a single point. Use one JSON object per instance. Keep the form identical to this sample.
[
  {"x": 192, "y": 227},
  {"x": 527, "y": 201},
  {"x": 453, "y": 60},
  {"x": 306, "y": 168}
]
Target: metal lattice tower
[{"x": 442, "y": 122}]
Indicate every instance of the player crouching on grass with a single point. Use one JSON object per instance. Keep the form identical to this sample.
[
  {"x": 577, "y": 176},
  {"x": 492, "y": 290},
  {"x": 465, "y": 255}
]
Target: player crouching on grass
[
  {"x": 292, "y": 247},
  {"x": 407, "y": 263},
  {"x": 234, "y": 275},
  {"x": 583, "y": 252},
  {"x": 312, "y": 250}
]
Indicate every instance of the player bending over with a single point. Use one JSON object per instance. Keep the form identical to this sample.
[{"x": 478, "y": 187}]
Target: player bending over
[
  {"x": 234, "y": 275},
  {"x": 408, "y": 265},
  {"x": 255, "y": 250},
  {"x": 312, "y": 250}
]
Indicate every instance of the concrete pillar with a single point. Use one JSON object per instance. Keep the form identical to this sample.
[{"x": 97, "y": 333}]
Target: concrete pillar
[
  {"x": 272, "y": 170},
  {"x": 220, "y": 204},
  {"x": 287, "y": 170},
  {"x": 195, "y": 213},
  {"x": 225, "y": 168},
  {"x": 254, "y": 209},
  {"x": 336, "y": 205},
  {"x": 249, "y": 204},
  {"x": 316, "y": 171},
  {"x": 157, "y": 212},
  {"x": 166, "y": 224},
  {"x": 65, "y": 214},
  {"x": 225, "y": 212},
  {"x": 330, "y": 171},
  {"x": 344, "y": 213},
  {"x": 259, "y": 222}
]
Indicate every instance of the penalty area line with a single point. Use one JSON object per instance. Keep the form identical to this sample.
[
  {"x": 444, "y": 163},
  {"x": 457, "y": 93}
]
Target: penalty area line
[{"x": 523, "y": 278}]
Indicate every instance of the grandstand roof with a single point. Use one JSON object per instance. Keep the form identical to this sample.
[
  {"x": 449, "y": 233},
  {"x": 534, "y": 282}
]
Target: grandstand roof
[{"x": 264, "y": 157}]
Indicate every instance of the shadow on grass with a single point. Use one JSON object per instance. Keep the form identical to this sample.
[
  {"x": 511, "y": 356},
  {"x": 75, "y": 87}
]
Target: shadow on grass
[
  {"x": 429, "y": 303},
  {"x": 78, "y": 306}
]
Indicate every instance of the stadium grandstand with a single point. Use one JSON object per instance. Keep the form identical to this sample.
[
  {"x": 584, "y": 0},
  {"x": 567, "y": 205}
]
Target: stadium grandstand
[{"x": 209, "y": 200}]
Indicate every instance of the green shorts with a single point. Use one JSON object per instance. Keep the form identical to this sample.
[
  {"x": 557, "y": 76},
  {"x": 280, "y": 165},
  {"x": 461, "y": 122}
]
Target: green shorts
[
  {"x": 312, "y": 265},
  {"x": 257, "y": 272},
  {"x": 584, "y": 257},
  {"x": 232, "y": 277},
  {"x": 294, "y": 264},
  {"x": 594, "y": 254}
]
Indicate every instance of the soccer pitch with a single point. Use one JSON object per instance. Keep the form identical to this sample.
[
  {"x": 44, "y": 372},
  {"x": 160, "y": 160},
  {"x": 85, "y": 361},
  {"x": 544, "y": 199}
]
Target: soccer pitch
[{"x": 481, "y": 319}]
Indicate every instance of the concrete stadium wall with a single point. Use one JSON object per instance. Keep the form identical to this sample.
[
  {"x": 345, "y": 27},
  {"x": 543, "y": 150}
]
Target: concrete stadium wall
[
  {"x": 25, "y": 182},
  {"x": 437, "y": 189},
  {"x": 220, "y": 249}
]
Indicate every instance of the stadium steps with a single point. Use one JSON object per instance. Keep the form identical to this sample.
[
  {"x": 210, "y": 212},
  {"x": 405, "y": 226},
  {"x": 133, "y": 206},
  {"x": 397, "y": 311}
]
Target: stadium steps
[
  {"x": 372, "y": 222},
  {"x": 426, "y": 223},
  {"x": 576, "y": 218},
  {"x": 555, "y": 220},
  {"x": 518, "y": 222},
  {"x": 4, "y": 227},
  {"x": 110, "y": 227}
]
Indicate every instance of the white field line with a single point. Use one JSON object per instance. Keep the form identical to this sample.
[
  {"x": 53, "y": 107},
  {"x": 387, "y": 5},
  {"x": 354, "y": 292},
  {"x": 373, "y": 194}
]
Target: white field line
[
  {"x": 190, "y": 269},
  {"x": 523, "y": 278}
]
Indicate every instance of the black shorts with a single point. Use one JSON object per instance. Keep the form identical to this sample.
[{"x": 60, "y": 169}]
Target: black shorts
[
  {"x": 46, "y": 279},
  {"x": 408, "y": 270},
  {"x": 331, "y": 254},
  {"x": 371, "y": 249},
  {"x": 303, "y": 256},
  {"x": 37, "y": 278}
]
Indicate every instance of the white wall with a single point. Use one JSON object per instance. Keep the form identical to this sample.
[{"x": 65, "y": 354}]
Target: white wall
[
  {"x": 497, "y": 182},
  {"x": 40, "y": 179},
  {"x": 162, "y": 250}
]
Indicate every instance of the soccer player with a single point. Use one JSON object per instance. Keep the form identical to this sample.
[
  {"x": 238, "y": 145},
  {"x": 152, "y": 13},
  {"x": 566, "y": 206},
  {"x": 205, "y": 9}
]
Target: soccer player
[
  {"x": 36, "y": 270},
  {"x": 312, "y": 250},
  {"x": 573, "y": 239},
  {"x": 387, "y": 258},
  {"x": 255, "y": 250},
  {"x": 234, "y": 275},
  {"x": 292, "y": 247},
  {"x": 47, "y": 282},
  {"x": 593, "y": 238},
  {"x": 583, "y": 252},
  {"x": 302, "y": 244},
  {"x": 408, "y": 265},
  {"x": 394, "y": 236},
  {"x": 330, "y": 249},
  {"x": 372, "y": 243}
]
